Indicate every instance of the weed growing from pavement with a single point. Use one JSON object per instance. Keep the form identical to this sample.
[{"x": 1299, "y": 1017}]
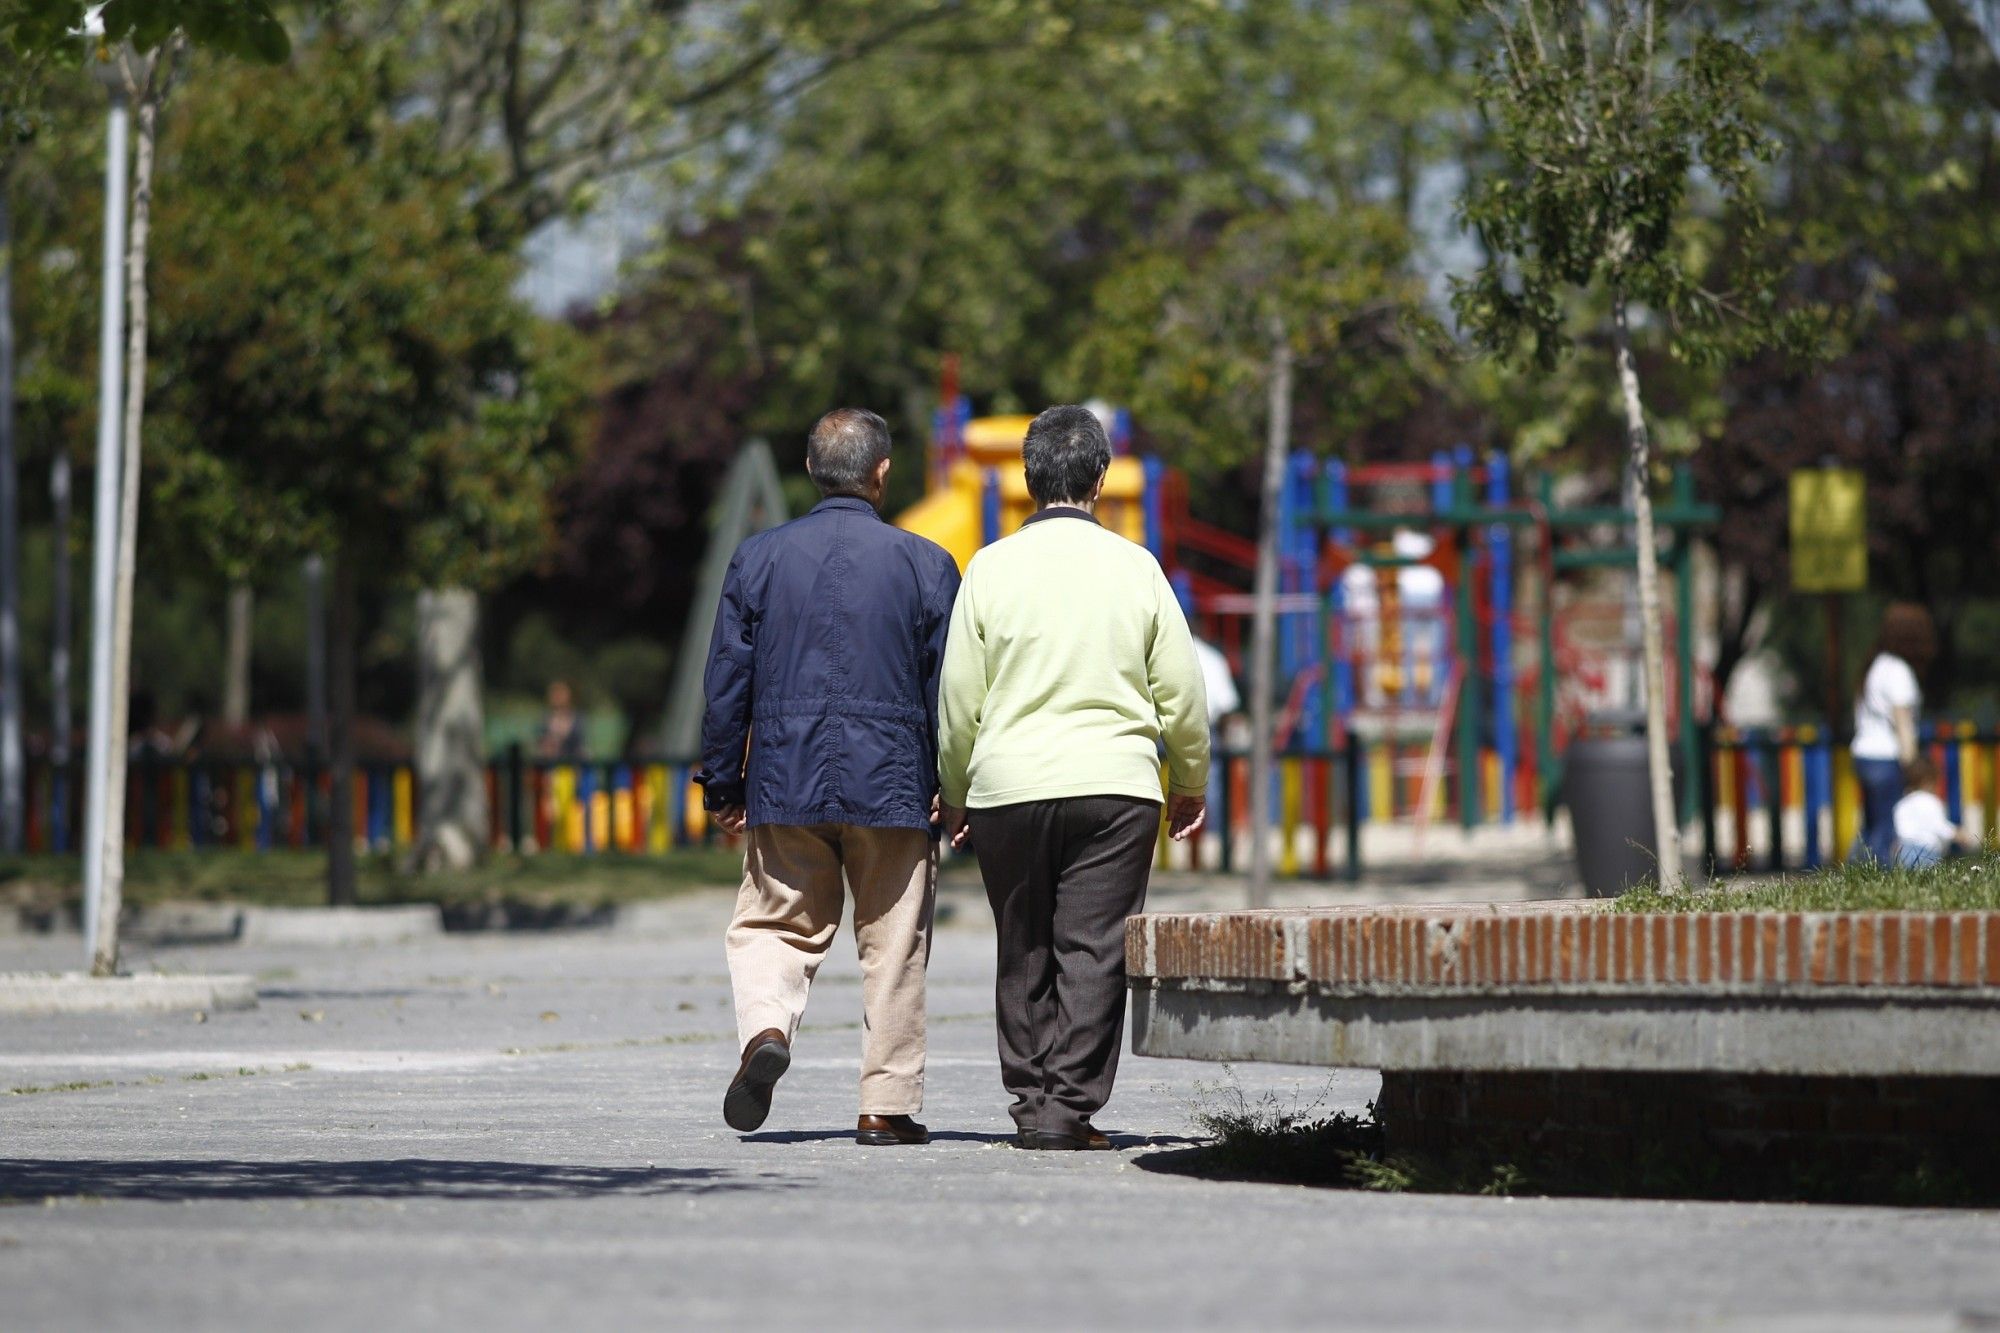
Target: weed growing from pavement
[
  {"x": 1970, "y": 884},
  {"x": 35, "y": 1089}
]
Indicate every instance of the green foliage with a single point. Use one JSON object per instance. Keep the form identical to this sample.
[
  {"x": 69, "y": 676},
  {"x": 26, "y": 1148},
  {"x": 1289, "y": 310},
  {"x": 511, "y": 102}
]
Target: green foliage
[
  {"x": 247, "y": 29},
  {"x": 981, "y": 188},
  {"x": 341, "y": 361},
  {"x": 1186, "y": 338},
  {"x": 1602, "y": 117}
]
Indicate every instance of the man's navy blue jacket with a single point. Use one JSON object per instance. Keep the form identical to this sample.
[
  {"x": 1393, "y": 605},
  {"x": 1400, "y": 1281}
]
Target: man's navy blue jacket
[{"x": 822, "y": 673}]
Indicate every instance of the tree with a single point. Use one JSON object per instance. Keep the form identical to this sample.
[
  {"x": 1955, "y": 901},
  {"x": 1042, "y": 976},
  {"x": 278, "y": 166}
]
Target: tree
[
  {"x": 142, "y": 41},
  {"x": 1201, "y": 344},
  {"x": 24, "y": 62},
  {"x": 574, "y": 94},
  {"x": 345, "y": 367},
  {"x": 1973, "y": 54},
  {"x": 1601, "y": 114},
  {"x": 1882, "y": 212}
]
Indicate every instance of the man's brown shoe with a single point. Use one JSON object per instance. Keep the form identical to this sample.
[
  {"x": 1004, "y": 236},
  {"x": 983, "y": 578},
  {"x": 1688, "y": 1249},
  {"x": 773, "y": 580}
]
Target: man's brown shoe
[
  {"x": 1094, "y": 1139},
  {"x": 888, "y": 1131},
  {"x": 765, "y": 1061}
]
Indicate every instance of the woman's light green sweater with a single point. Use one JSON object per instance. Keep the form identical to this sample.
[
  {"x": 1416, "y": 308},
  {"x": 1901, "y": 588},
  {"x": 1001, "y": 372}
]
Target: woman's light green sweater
[{"x": 1069, "y": 665}]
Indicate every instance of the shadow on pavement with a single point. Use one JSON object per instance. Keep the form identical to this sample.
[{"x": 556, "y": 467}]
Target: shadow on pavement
[
  {"x": 831, "y": 1135},
  {"x": 35, "y": 1179}
]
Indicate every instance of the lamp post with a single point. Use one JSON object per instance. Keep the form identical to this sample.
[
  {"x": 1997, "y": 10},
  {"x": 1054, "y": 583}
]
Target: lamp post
[{"x": 103, "y": 809}]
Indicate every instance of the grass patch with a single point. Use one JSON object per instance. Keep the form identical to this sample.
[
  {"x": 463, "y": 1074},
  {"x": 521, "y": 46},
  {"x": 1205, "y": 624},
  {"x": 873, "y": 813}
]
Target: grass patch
[
  {"x": 1971, "y": 884},
  {"x": 288, "y": 878},
  {"x": 1272, "y": 1141},
  {"x": 34, "y": 1089}
]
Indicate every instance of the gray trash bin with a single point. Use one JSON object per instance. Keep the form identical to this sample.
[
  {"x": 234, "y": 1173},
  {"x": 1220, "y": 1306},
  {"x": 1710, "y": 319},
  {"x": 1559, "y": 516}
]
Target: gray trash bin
[{"x": 1610, "y": 803}]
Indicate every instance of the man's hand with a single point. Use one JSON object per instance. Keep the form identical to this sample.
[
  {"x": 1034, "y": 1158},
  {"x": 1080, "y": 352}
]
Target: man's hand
[
  {"x": 955, "y": 827},
  {"x": 732, "y": 818},
  {"x": 1185, "y": 816}
]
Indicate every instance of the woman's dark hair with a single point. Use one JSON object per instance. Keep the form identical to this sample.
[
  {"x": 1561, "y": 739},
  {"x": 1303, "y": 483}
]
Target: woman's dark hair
[
  {"x": 1065, "y": 455},
  {"x": 1907, "y": 632}
]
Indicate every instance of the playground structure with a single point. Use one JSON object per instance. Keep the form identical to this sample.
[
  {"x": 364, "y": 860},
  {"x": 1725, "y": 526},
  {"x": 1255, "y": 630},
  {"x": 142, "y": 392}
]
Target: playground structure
[
  {"x": 977, "y": 493},
  {"x": 1419, "y": 607},
  {"x": 1434, "y": 654}
]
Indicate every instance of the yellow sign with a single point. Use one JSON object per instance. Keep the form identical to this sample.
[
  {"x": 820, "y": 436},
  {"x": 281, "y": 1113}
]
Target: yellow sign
[{"x": 1829, "y": 530}]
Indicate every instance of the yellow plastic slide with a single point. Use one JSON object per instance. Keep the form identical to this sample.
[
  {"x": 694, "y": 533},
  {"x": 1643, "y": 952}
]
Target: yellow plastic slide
[
  {"x": 952, "y": 515},
  {"x": 949, "y": 516}
]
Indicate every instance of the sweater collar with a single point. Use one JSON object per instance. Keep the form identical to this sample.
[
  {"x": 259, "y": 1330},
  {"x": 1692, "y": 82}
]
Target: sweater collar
[{"x": 1061, "y": 511}]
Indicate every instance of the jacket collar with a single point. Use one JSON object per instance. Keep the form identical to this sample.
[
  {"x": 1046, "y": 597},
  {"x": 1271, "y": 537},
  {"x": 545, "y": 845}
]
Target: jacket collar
[
  {"x": 1061, "y": 511},
  {"x": 853, "y": 503}
]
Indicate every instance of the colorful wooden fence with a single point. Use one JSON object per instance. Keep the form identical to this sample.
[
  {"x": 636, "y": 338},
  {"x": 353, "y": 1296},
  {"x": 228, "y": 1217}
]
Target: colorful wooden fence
[
  {"x": 1786, "y": 798},
  {"x": 1770, "y": 799},
  {"x": 532, "y": 806}
]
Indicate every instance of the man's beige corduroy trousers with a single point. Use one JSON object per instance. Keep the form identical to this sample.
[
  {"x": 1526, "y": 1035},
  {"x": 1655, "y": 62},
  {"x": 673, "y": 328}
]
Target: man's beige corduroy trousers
[{"x": 786, "y": 914}]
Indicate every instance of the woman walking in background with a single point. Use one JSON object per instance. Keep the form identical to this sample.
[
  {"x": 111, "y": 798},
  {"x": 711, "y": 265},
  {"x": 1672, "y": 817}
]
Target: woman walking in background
[{"x": 1885, "y": 721}]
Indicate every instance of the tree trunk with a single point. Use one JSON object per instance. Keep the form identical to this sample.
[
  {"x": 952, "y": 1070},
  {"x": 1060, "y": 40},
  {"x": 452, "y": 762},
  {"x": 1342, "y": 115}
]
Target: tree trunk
[
  {"x": 236, "y": 669},
  {"x": 314, "y": 573},
  {"x": 1264, "y": 621},
  {"x": 451, "y": 731},
  {"x": 340, "y": 830},
  {"x": 1666, "y": 820},
  {"x": 150, "y": 86},
  {"x": 12, "y": 772}
]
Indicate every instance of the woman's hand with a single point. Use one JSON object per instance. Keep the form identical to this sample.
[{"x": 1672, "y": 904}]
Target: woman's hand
[
  {"x": 955, "y": 827},
  {"x": 1185, "y": 816}
]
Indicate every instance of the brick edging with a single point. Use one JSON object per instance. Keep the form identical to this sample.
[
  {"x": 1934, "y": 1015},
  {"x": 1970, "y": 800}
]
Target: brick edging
[{"x": 1571, "y": 943}]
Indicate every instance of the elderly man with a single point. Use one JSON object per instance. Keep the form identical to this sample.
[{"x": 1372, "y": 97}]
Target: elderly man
[
  {"x": 819, "y": 739},
  {"x": 1068, "y": 667}
]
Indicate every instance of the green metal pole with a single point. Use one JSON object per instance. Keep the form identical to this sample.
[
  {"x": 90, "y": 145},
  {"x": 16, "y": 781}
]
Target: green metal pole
[
  {"x": 1545, "y": 687},
  {"x": 1468, "y": 666}
]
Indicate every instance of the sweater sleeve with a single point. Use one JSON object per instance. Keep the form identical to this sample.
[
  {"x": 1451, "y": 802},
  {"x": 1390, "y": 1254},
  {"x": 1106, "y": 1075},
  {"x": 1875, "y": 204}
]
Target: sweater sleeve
[
  {"x": 1179, "y": 698},
  {"x": 961, "y": 697}
]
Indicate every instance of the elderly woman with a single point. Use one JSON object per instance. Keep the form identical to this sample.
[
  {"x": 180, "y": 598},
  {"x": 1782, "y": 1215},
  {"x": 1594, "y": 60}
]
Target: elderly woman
[{"x": 1067, "y": 668}]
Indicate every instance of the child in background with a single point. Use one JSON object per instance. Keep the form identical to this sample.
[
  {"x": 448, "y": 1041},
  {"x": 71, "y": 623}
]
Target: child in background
[{"x": 1925, "y": 834}]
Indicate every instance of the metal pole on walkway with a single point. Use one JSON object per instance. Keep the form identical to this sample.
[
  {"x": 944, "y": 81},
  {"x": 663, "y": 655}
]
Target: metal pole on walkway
[{"x": 101, "y": 805}]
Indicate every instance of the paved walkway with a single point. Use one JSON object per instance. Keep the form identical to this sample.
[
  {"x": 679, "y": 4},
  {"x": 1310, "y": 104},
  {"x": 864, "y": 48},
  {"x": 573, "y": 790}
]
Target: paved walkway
[{"x": 525, "y": 1133}]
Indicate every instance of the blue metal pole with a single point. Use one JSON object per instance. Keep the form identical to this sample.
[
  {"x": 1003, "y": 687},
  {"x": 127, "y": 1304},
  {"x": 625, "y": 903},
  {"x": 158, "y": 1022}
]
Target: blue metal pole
[
  {"x": 1308, "y": 637},
  {"x": 1341, "y": 669},
  {"x": 1813, "y": 762},
  {"x": 989, "y": 508}
]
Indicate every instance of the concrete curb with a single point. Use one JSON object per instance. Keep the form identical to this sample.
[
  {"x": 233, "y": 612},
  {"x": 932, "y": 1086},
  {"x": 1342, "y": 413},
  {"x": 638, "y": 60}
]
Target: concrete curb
[
  {"x": 78, "y": 993},
  {"x": 340, "y": 925}
]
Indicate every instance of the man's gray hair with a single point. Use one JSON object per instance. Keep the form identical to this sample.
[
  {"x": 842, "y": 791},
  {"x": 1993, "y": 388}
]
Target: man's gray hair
[
  {"x": 1065, "y": 454},
  {"x": 844, "y": 449}
]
